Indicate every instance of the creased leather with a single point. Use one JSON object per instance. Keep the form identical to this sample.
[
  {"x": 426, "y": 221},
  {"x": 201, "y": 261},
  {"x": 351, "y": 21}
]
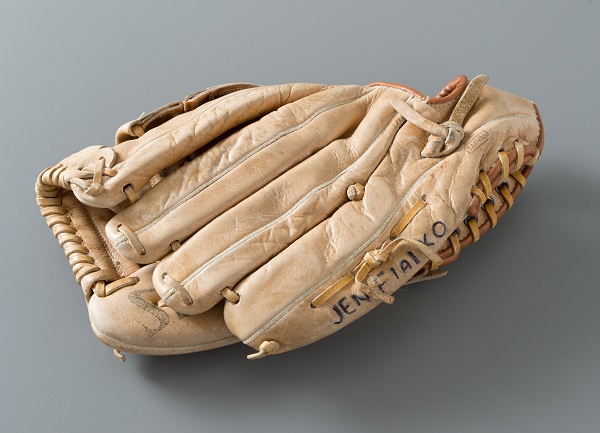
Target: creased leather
[{"x": 230, "y": 210}]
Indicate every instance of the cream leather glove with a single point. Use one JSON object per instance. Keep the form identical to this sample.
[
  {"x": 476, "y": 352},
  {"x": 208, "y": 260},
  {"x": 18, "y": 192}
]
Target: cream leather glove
[{"x": 276, "y": 215}]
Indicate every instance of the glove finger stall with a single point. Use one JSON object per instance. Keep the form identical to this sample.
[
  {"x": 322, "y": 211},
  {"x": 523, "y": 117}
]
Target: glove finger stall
[
  {"x": 210, "y": 184},
  {"x": 139, "y": 160},
  {"x": 249, "y": 234}
]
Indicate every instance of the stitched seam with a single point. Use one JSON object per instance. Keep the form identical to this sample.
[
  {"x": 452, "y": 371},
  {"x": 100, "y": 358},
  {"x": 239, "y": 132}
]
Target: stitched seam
[
  {"x": 225, "y": 99},
  {"x": 227, "y": 92},
  {"x": 244, "y": 158},
  {"x": 206, "y": 107},
  {"x": 496, "y": 119},
  {"x": 292, "y": 209},
  {"x": 345, "y": 263},
  {"x": 411, "y": 94},
  {"x": 425, "y": 99},
  {"x": 148, "y": 118}
]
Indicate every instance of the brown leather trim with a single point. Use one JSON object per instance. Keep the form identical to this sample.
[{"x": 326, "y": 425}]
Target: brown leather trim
[
  {"x": 540, "y": 144},
  {"x": 448, "y": 253},
  {"x": 450, "y": 91}
]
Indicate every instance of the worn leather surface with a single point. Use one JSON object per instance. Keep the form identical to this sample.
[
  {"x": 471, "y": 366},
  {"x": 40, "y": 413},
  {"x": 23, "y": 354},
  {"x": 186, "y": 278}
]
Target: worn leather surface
[{"x": 244, "y": 188}]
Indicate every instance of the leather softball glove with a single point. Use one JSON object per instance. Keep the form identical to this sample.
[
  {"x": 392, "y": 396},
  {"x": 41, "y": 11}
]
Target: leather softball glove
[{"x": 276, "y": 215}]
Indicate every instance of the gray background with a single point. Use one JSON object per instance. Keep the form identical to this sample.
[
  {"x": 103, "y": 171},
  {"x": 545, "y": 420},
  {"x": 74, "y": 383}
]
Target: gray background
[{"x": 507, "y": 342}]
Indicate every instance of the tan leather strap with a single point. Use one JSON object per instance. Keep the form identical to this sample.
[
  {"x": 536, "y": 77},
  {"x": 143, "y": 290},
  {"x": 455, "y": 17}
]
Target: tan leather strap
[
  {"x": 373, "y": 259},
  {"x": 446, "y": 137}
]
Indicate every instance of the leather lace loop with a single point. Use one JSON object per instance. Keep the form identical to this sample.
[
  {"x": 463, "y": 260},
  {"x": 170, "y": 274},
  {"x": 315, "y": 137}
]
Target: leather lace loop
[
  {"x": 373, "y": 259},
  {"x": 446, "y": 137}
]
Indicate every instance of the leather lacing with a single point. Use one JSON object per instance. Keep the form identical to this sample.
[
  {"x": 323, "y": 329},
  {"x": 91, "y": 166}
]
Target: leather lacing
[
  {"x": 516, "y": 163},
  {"x": 443, "y": 139},
  {"x": 176, "y": 289},
  {"x": 373, "y": 259},
  {"x": 102, "y": 289},
  {"x": 524, "y": 155},
  {"x": 133, "y": 240},
  {"x": 97, "y": 175},
  {"x": 48, "y": 189},
  {"x": 446, "y": 137},
  {"x": 482, "y": 203},
  {"x": 52, "y": 181}
]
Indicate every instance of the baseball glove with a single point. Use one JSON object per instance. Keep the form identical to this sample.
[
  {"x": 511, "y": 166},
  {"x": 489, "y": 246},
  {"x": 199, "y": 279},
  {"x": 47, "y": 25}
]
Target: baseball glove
[{"x": 276, "y": 215}]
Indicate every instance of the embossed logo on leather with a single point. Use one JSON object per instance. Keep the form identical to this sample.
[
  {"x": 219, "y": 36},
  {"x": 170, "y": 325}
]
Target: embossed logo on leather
[{"x": 475, "y": 142}]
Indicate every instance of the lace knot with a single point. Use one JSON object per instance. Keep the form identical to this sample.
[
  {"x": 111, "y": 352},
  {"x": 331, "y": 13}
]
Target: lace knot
[
  {"x": 375, "y": 258},
  {"x": 446, "y": 137},
  {"x": 440, "y": 146},
  {"x": 94, "y": 189},
  {"x": 90, "y": 178},
  {"x": 266, "y": 348}
]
